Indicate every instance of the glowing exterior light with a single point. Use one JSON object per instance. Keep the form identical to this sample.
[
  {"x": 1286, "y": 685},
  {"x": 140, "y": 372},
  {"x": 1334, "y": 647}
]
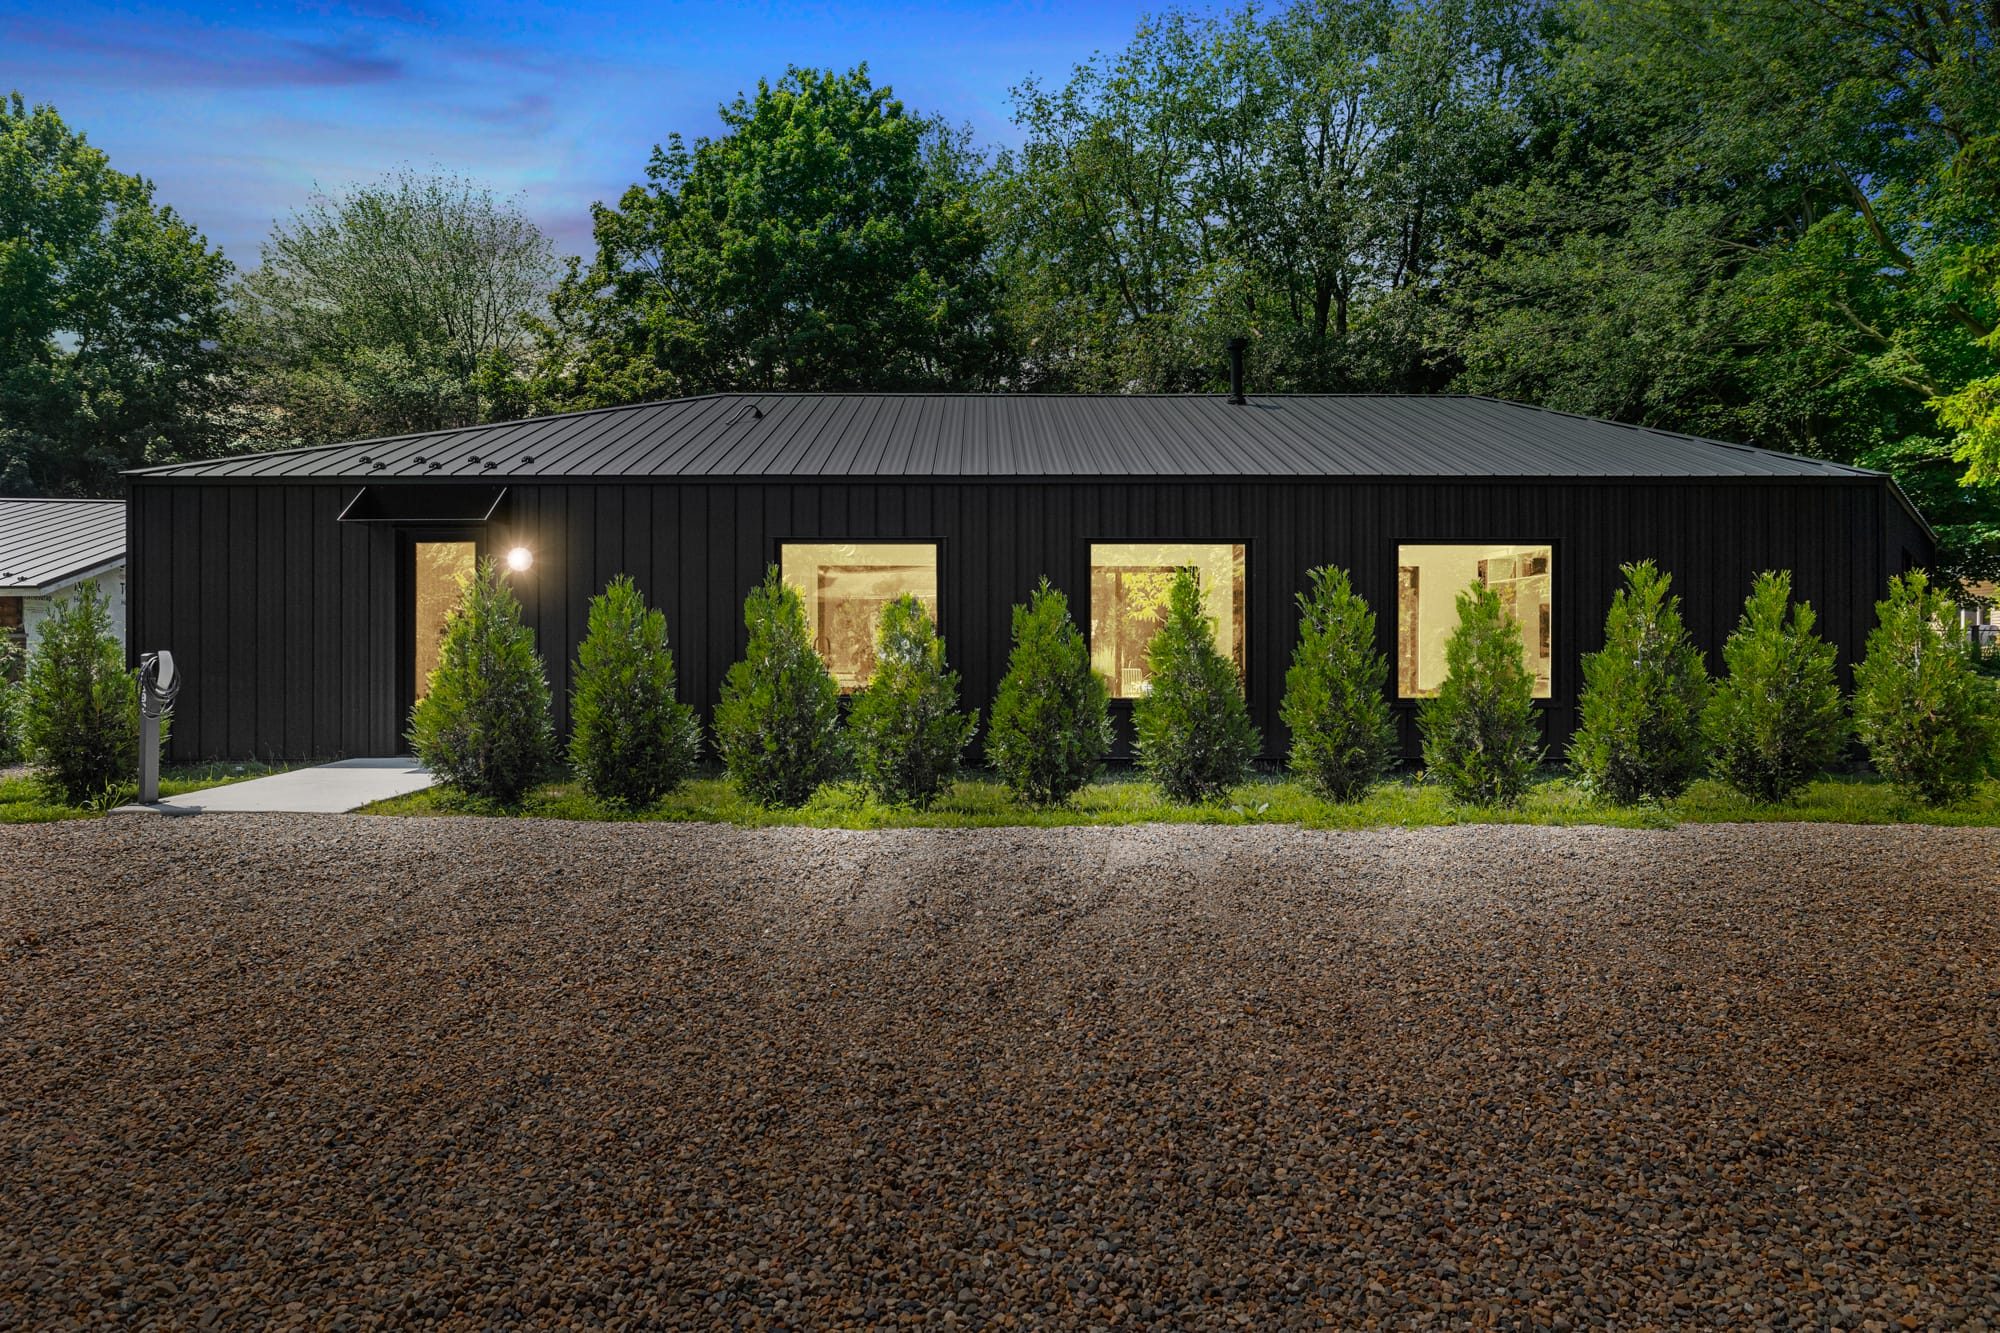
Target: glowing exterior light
[{"x": 519, "y": 559}]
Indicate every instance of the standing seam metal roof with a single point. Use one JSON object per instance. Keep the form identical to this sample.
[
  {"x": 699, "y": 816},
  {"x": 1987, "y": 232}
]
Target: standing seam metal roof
[
  {"x": 45, "y": 544},
  {"x": 776, "y": 435}
]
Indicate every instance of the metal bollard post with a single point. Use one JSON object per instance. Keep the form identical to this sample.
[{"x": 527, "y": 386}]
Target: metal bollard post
[{"x": 159, "y": 683}]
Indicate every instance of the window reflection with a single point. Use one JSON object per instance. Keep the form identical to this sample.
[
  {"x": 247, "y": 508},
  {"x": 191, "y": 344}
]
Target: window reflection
[
  {"x": 443, "y": 570},
  {"x": 1428, "y": 582},
  {"x": 1129, "y": 582},
  {"x": 846, "y": 585}
]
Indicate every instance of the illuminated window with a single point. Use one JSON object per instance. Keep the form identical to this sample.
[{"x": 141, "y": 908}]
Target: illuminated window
[
  {"x": 845, "y": 586},
  {"x": 1428, "y": 582},
  {"x": 1128, "y": 603},
  {"x": 443, "y": 569}
]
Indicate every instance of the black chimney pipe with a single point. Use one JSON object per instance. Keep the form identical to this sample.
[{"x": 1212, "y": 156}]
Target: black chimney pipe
[{"x": 1236, "y": 346}]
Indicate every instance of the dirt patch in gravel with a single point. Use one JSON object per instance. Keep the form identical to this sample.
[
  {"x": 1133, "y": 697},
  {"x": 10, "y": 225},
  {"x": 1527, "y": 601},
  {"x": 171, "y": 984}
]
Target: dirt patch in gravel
[{"x": 342, "y": 1072}]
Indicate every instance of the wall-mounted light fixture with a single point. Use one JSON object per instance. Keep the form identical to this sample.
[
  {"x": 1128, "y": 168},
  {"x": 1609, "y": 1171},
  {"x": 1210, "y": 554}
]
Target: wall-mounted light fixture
[{"x": 519, "y": 559}]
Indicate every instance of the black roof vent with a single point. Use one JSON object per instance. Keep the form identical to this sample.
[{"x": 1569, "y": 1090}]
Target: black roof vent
[{"x": 1236, "y": 346}]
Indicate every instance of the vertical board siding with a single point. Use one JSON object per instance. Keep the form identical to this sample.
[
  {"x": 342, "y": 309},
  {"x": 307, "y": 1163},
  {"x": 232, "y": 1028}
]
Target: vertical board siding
[{"x": 286, "y": 621}]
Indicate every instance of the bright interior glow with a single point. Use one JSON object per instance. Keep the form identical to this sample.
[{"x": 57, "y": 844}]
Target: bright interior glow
[
  {"x": 520, "y": 558},
  {"x": 845, "y": 585},
  {"x": 1129, "y": 582},
  {"x": 1428, "y": 582}
]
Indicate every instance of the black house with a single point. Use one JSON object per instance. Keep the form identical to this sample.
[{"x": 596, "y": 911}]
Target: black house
[{"x": 302, "y": 592}]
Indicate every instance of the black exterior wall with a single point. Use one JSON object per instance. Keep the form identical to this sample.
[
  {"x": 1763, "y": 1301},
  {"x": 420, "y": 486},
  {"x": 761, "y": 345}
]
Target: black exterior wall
[{"x": 288, "y": 629}]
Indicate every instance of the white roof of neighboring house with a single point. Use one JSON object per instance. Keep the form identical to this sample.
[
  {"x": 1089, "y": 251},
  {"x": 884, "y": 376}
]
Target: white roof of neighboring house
[{"x": 46, "y": 545}]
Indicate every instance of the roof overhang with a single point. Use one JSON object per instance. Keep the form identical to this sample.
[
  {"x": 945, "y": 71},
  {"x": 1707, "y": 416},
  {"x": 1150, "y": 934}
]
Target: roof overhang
[
  {"x": 50, "y": 587},
  {"x": 424, "y": 503}
]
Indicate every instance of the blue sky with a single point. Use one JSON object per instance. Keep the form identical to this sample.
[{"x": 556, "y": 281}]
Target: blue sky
[{"x": 236, "y": 111}]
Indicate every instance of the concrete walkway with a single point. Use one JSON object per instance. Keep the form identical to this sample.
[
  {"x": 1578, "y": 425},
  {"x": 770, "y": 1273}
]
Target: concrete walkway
[{"x": 324, "y": 789}]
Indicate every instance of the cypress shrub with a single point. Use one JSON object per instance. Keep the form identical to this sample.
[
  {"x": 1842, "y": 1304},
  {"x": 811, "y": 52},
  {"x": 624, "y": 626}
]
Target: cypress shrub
[
  {"x": 778, "y": 724},
  {"x": 483, "y": 725},
  {"x": 1639, "y": 733},
  {"x": 1775, "y": 721},
  {"x": 78, "y": 705},
  {"x": 1343, "y": 737},
  {"x": 1481, "y": 737},
  {"x": 1050, "y": 728},
  {"x": 905, "y": 733},
  {"x": 1194, "y": 734},
  {"x": 631, "y": 740},
  {"x": 1929, "y": 721}
]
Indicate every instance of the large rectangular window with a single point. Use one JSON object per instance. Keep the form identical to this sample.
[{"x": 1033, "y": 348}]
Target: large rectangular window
[
  {"x": 845, "y": 586},
  {"x": 1128, "y": 603},
  {"x": 1428, "y": 582},
  {"x": 442, "y": 571}
]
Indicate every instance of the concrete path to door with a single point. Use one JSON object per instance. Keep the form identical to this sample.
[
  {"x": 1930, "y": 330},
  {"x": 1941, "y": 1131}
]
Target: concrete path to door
[{"x": 322, "y": 789}]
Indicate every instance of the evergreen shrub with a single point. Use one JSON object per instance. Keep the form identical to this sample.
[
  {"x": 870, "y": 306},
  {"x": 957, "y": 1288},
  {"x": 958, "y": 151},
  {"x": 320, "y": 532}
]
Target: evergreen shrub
[
  {"x": 1481, "y": 737},
  {"x": 483, "y": 725},
  {"x": 1050, "y": 728},
  {"x": 1639, "y": 733},
  {"x": 1930, "y": 722},
  {"x": 904, "y": 730},
  {"x": 78, "y": 704},
  {"x": 631, "y": 741},
  {"x": 1193, "y": 732},
  {"x": 1343, "y": 736},
  {"x": 778, "y": 724},
  {"x": 1775, "y": 721}
]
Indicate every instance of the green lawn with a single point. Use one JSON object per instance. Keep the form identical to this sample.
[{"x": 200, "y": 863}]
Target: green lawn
[
  {"x": 23, "y": 802},
  {"x": 979, "y": 802}
]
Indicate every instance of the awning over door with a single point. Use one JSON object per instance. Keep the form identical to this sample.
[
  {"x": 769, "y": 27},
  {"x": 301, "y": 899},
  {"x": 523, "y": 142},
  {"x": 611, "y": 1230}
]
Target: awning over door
[{"x": 442, "y": 502}]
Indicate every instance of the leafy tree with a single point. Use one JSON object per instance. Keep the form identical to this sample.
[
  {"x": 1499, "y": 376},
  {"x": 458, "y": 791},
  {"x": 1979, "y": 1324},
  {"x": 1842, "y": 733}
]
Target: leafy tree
[
  {"x": 1343, "y": 736},
  {"x": 394, "y": 307},
  {"x": 829, "y": 240},
  {"x": 1480, "y": 733},
  {"x": 1193, "y": 731},
  {"x": 1930, "y": 722},
  {"x": 109, "y": 308},
  {"x": 79, "y": 705},
  {"x": 778, "y": 725},
  {"x": 1775, "y": 722},
  {"x": 1050, "y": 728},
  {"x": 11, "y": 662},
  {"x": 483, "y": 725},
  {"x": 1639, "y": 732},
  {"x": 906, "y": 733},
  {"x": 631, "y": 740}
]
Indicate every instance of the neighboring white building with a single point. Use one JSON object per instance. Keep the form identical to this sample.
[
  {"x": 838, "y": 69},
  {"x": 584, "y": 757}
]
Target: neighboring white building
[{"x": 48, "y": 548}]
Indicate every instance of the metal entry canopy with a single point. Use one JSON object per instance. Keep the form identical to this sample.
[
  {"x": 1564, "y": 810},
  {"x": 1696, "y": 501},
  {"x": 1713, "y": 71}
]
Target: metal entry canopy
[{"x": 443, "y": 503}]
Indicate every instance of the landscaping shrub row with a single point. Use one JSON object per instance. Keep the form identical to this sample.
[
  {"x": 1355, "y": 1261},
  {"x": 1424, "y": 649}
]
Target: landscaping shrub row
[{"x": 1651, "y": 718}]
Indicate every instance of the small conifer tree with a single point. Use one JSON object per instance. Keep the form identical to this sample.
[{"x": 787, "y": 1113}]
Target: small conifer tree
[
  {"x": 904, "y": 729},
  {"x": 1193, "y": 732},
  {"x": 1343, "y": 737},
  {"x": 631, "y": 740},
  {"x": 778, "y": 724},
  {"x": 79, "y": 705},
  {"x": 1639, "y": 734},
  {"x": 12, "y": 661},
  {"x": 1930, "y": 722},
  {"x": 1775, "y": 721},
  {"x": 1050, "y": 728},
  {"x": 1481, "y": 736},
  {"x": 483, "y": 725}
]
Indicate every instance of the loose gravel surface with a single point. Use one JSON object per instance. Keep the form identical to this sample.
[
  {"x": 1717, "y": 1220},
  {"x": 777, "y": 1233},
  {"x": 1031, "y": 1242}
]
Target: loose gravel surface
[{"x": 335, "y": 1071}]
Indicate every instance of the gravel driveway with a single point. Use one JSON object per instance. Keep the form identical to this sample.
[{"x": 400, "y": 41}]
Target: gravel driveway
[{"x": 341, "y": 1071}]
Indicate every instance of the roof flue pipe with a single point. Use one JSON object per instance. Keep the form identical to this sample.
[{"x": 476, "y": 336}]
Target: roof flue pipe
[{"x": 1236, "y": 346}]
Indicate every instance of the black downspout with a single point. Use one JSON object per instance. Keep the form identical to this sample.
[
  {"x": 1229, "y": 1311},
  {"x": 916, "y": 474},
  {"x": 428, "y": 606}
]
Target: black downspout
[{"x": 1236, "y": 346}]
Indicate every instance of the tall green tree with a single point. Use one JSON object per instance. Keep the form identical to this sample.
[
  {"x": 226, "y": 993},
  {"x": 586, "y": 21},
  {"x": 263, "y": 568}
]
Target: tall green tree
[
  {"x": 393, "y": 307},
  {"x": 830, "y": 239},
  {"x": 109, "y": 308},
  {"x": 1767, "y": 221}
]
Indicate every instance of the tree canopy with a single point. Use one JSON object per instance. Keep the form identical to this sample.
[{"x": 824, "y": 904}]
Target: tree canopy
[
  {"x": 109, "y": 307},
  {"x": 829, "y": 240}
]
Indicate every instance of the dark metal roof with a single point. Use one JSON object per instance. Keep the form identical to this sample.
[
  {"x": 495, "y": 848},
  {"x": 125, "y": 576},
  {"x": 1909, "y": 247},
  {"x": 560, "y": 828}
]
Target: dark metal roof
[
  {"x": 777, "y": 435},
  {"x": 45, "y": 544}
]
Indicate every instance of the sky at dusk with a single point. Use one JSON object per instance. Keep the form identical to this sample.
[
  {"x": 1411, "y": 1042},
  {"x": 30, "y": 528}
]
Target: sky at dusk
[{"x": 236, "y": 112}]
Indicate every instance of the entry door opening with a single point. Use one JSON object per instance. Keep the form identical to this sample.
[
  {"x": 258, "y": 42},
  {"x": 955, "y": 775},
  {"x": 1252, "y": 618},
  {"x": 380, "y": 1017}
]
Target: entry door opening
[{"x": 442, "y": 570}]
